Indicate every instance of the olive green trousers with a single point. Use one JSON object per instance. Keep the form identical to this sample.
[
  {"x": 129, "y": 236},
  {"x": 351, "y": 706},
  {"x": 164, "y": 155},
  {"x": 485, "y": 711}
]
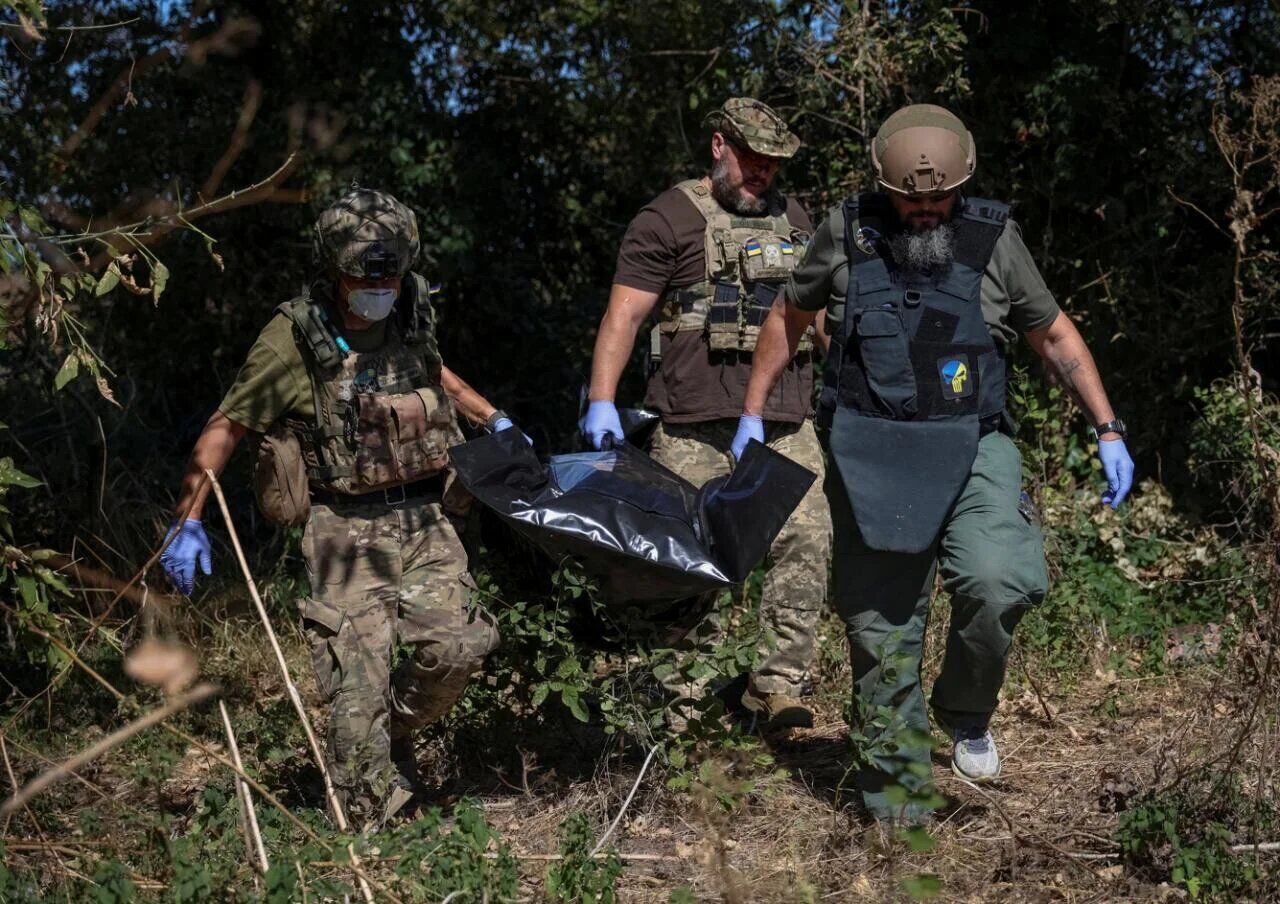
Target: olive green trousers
[{"x": 991, "y": 559}]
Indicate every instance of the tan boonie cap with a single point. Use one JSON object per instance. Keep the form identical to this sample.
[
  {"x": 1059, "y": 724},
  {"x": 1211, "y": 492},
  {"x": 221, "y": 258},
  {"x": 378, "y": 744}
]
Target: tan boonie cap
[
  {"x": 368, "y": 234},
  {"x": 923, "y": 148},
  {"x": 751, "y": 123}
]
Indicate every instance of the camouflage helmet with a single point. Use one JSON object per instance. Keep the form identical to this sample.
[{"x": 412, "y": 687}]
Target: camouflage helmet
[
  {"x": 923, "y": 148},
  {"x": 753, "y": 124},
  {"x": 368, "y": 234}
]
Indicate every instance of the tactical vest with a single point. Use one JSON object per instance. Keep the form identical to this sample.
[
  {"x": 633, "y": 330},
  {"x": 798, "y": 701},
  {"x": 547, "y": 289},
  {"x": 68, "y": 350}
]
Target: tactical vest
[
  {"x": 913, "y": 377},
  {"x": 748, "y": 262},
  {"x": 382, "y": 418}
]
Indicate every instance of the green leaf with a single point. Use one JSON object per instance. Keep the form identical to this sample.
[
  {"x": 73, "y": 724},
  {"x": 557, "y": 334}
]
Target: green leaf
[
  {"x": 159, "y": 279},
  {"x": 69, "y": 370},
  {"x": 31, "y": 217},
  {"x": 109, "y": 281},
  {"x": 579, "y": 710},
  {"x": 11, "y": 476},
  {"x": 919, "y": 839},
  {"x": 540, "y": 694},
  {"x": 923, "y": 886}
]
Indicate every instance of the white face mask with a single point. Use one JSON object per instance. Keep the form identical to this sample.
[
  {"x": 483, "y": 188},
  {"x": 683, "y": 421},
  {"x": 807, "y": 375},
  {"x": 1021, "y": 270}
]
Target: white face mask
[{"x": 372, "y": 304}]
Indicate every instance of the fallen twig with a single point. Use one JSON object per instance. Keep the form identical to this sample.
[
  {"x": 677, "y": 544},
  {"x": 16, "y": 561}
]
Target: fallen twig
[{"x": 626, "y": 803}]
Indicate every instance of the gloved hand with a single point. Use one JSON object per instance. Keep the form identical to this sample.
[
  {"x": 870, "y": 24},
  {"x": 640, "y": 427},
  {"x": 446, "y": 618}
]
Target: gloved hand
[
  {"x": 601, "y": 420},
  {"x": 503, "y": 423},
  {"x": 189, "y": 547},
  {"x": 1118, "y": 467},
  {"x": 749, "y": 427}
]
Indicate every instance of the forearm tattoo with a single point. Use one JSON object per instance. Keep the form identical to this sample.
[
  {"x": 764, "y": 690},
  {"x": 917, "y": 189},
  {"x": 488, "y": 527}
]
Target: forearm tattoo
[{"x": 1065, "y": 371}]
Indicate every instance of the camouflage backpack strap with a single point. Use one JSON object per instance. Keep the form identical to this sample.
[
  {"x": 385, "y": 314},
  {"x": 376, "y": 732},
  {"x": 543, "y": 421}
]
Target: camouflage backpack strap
[
  {"x": 323, "y": 350},
  {"x": 417, "y": 321}
]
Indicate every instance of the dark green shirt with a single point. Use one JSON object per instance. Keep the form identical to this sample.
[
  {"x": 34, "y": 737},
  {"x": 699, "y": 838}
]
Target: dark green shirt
[
  {"x": 273, "y": 382},
  {"x": 1014, "y": 297}
]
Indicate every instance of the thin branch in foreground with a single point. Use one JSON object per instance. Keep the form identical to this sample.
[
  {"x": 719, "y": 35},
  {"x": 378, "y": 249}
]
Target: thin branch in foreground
[
  {"x": 115, "y": 739},
  {"x": 252, "y": 834},
  {"x": 331, "y": 796}
]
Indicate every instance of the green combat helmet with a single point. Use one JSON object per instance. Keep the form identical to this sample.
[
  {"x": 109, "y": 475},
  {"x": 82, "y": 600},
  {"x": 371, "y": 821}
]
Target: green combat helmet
[
  {"x": 754, "y": 125},
  {"x": 922, "y": 149},
  {"x": 367, "y": 234}
]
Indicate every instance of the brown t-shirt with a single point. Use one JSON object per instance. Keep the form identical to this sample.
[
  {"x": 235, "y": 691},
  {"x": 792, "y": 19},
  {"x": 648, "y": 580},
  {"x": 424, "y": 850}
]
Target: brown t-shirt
[{"x": 663, "y": 249}]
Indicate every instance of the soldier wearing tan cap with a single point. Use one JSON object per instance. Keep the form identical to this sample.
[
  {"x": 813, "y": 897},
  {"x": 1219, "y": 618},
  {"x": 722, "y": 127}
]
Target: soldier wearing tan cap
[{"x": 708, "y": 258}]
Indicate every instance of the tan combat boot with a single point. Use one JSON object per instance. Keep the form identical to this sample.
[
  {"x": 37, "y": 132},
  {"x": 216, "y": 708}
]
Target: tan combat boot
[{"x": 776, "y": 711}]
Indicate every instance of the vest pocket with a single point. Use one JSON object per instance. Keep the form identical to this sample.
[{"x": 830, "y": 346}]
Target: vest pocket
[{"x": 886, "y": 358}]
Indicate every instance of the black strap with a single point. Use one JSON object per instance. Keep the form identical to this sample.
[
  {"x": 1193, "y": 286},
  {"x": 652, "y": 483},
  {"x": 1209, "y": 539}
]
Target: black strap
[{"x": 428, "y": 486}]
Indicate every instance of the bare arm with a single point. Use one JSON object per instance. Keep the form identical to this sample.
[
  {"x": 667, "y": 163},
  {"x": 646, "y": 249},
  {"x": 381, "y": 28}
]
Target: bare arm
[
  {"x": 628, "y": 309},
  {"x": 213, "y": 449},
  {"x": 779, "y": 338},
  {"x": 1064, "y": 351},
  {"x": 470, "y": 404}
]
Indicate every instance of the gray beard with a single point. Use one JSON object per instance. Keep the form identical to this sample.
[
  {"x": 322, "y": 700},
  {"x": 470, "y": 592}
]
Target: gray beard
[
  {"x": 731, "y": 198},
  {"x": 932, "y": 250}
]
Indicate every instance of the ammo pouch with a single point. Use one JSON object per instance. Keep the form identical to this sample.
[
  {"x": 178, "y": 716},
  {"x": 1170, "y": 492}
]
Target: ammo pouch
[
  {"x": 280, "y": 478},
  {"x": 886, "y": 357},
  {"x": 400, "y": 438}
]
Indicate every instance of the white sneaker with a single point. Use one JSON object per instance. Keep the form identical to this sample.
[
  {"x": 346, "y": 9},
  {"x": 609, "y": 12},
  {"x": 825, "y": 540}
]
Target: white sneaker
[{"x": 975, "y": 756}]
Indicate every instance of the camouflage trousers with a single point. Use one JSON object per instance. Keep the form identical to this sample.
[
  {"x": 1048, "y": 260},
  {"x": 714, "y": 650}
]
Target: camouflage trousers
[
  {"x": 795, "y": 582},
  {"x": 394, "y": 635}
]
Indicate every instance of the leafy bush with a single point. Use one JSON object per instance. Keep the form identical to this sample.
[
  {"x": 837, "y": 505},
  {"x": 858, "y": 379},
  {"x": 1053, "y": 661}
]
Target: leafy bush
[
  {"x": 578, "y": 878},
  {"x": 1184, "y": 836}
]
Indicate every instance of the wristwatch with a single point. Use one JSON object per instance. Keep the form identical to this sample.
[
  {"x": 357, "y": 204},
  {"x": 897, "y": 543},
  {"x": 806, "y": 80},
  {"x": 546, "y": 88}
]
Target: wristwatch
[
  {"x": 1116, "y": 426},
  {"x": 491, "y": 420}
]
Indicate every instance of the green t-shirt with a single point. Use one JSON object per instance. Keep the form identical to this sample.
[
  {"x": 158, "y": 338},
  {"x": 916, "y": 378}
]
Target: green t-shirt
[
  {"x": 1014, "y": 297},
  {"x": 273, "y": 381}
]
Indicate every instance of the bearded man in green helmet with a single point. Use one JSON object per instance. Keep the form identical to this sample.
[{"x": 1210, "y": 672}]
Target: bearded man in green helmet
[
  {"x": 708, "y": 257},
  {"x": 355, "y": 412},
  {"x": 924, "y": 290}
]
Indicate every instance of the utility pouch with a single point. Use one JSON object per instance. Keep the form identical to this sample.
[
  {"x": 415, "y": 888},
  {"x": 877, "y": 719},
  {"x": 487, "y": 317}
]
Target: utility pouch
[
  {"x": 400, "y": 438},
  {"x": 886, "y": 357},
  {"x": 723, "y": 325},
  {"x": 280, "y": 478}
]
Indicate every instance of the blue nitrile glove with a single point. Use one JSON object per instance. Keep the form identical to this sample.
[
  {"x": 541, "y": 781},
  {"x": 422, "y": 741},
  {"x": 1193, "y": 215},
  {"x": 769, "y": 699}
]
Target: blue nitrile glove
[
  {"x": 749, "y": 427},
  {"x": 503, "y": 423},
  {"x": 189, "y": 547},
  {"x": 1118, "y": 467},
  {"x": 602, "y": 420}
]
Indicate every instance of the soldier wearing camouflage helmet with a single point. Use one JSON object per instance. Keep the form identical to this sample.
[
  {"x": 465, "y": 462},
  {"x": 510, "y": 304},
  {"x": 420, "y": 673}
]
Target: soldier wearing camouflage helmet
[
  {"x": 708, "y": 258},
  {"x": 354, "y": 412},
  {"x": 924, "y": 290}
]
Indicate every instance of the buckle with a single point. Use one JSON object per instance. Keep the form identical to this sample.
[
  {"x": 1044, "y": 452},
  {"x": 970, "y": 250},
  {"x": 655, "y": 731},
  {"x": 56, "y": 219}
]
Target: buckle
[{"x": 390, "y": 499}]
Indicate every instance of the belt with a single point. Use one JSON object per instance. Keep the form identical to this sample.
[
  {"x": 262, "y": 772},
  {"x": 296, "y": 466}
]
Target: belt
[
  {"x": 990, "y": 424},
  {"x": 392, "y": 496}
]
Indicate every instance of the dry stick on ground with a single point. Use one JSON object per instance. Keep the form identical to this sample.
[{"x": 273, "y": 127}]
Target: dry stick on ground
[
  {"x": 116, "y": 738},
  {"x": 252, "y": 835},
  {"x": 626, "y": 803},
  {"x": 331, "y": 796}
]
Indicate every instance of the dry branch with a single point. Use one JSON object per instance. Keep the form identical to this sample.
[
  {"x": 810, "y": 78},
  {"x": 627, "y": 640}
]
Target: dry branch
[
  {"x": 253, "y": 836},
  {"x": 331, "y": 797},
  {"x": 115, "y": 739}
]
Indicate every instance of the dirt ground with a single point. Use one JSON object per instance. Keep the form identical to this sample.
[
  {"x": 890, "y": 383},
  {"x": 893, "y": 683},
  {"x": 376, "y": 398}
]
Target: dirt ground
[{"x": 1040, "y": 833}]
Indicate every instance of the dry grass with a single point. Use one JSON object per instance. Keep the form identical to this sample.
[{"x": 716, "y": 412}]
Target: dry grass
[{"x": 1042, "y": 833}]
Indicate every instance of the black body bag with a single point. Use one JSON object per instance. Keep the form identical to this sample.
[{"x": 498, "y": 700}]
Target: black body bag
[{"x": 643, "y": 533}]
